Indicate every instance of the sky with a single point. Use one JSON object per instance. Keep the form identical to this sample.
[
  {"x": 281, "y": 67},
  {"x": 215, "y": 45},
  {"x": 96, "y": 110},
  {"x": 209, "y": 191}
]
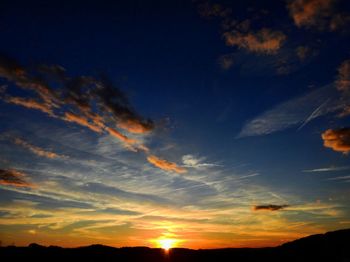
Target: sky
[{"x": 204, "y": 124}]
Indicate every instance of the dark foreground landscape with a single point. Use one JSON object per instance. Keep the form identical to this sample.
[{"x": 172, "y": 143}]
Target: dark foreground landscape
[{"x": 332, "y": 246}]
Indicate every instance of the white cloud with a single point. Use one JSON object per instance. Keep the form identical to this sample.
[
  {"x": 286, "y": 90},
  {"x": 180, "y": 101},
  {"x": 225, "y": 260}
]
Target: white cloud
[
  {"x": 328, "y": 169},
  {"x": 195, "y": 162}
]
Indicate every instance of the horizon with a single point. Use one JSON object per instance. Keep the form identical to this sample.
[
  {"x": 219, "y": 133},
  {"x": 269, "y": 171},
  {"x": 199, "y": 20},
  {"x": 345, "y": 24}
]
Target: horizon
[
  {"x": 192, "y": 123},
  {"x": 166, "y": 250}
]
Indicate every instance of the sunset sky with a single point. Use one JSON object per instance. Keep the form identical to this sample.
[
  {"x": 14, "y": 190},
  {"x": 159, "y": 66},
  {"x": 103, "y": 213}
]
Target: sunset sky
[{"x": 200, "y": 124}]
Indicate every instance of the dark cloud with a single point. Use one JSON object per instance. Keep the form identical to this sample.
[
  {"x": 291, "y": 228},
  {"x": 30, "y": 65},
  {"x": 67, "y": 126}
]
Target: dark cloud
[
  {"x": 337, "y": 139},
  {"x": 270, "y": 207},
  {"x": 10, "y": 177}
]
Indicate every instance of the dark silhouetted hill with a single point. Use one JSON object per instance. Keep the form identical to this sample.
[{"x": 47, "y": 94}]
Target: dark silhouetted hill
[{"x": 332, "y": 246}]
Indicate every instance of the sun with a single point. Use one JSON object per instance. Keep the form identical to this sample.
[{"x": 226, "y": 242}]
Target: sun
[{"x": 166, "y": 243}]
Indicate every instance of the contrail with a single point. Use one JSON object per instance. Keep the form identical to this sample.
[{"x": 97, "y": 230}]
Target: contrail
[{"x": 313, "y": 115}]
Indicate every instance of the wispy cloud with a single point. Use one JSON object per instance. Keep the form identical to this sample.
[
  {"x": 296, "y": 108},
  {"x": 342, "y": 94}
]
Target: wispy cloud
[
  {"x": 346, "y": 178},
  {"x": 30, "y": 103},
  {"x": 11, "y": 177},
  {"x": 270, "y": 207},
  {"x": 337, "y": 139},
  {"x": 37, "y": 150},
  {"x": 195, "y": 162},
  {"x": 328, "y": 169},
  {"x": 296, "y": 111}
]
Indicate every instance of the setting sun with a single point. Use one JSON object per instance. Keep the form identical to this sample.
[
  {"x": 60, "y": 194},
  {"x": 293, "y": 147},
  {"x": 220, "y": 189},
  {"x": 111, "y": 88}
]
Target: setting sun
[{"x": 166, "y": 243}]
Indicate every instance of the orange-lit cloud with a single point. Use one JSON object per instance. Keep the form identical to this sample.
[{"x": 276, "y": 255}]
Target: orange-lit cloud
[
  {"x": 343, "y": 78},
  {"x": 320, "y": 14},
  {"x": 307, "y": 12},
  {"x": 269, "y": 207},
  {"x": 337, "y": 139},
  {"x": 120, "y": 136},
  {"x": 10, "y": 177},
  {"x": 135, "y": 126},
  {"x": 30, "y": 103},
  {"x": 71, "y": 117},
  {"x": 165, "y": 165},
  {"x": 264, "y": 41},
  {"x": 36, "y": 150}
]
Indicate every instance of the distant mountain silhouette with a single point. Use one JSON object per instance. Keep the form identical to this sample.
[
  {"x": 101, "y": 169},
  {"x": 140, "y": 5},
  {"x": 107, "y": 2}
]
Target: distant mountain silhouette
[{"x": 332, "y": 246}]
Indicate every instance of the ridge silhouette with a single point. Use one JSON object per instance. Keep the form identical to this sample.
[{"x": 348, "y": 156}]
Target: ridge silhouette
[{"x": 331, "y": 246}]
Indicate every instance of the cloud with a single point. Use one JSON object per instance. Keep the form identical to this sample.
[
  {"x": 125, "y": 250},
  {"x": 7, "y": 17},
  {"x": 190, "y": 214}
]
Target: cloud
[
  {"x": 264, "y": 41},
  {"x": 308, "y": 12},
  {"x": 239, "y": 33},
  {"x": 10, "y": 177},
  {"x": 270, "y": 207},
  {"x": 337, "y": 139},
  {"x": 343, "y": 78},
  {"x": 135, "y": 126},
  {"x": 90, "y": 102},
  {"x": 302, "y": 52},
  {"x": 320, "y": 14},
  {"x": 30, "y": 103},
  {"x": 328, "y": 169},
  {"x": 212, "y": 10},
  {"x": 226, "y": 61},
  {"x": 81, "y": 120},
  {"x": 96, "y": 103},
  {"x": 37, "y": 150},
  {"x": 344, "y": 178},
  {"x": 299, "y": 110},
  {"x": 165, "y": 165},
  {"x": 197, "y": 163},
  {"x": 128, "y": 142}
]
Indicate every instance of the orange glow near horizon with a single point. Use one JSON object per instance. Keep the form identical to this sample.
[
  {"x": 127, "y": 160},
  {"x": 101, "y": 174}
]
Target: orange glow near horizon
[{"x": 166, "y": 243}]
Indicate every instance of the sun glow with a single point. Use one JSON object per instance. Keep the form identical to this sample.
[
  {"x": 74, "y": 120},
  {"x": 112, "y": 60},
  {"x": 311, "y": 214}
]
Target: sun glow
[{"x": 166, "y": 243}]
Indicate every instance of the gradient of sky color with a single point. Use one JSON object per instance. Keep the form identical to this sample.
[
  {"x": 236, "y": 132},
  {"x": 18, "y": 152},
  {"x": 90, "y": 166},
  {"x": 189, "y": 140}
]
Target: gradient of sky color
[{"x": 220, "y": 124}]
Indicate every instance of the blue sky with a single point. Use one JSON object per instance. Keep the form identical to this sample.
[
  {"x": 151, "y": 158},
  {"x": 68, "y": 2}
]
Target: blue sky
[{"x": 212, "y": 124}]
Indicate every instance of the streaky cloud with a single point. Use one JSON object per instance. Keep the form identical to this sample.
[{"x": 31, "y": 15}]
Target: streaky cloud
[
  {"x": 165, "y": 164},
  {"x": 37, "y": 150},
  {"x": 328, "y": 169},
  {"x": 296, "y": 111}
]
